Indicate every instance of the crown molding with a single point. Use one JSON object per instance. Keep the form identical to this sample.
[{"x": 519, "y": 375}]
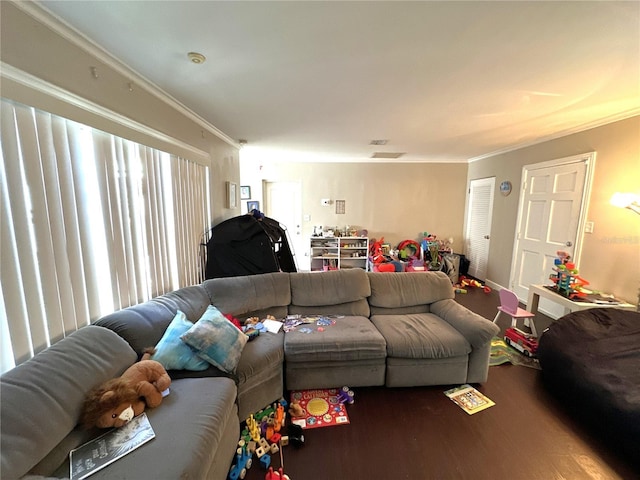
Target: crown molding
[
  {"x": 9, "y": 72},
  {"x": 69, "y": 33},
  {"x": 563, "y": 133}
]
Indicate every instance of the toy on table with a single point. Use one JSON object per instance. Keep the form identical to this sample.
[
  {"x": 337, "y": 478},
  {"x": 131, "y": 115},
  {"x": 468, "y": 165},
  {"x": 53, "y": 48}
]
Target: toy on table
[
  {"x": 566, "y": 279},
  {"x": 117, "y": 401}
]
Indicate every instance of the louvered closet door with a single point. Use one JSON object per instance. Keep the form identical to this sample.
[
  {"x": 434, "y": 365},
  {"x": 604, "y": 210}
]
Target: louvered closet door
[{"x": 478, "y": 231}]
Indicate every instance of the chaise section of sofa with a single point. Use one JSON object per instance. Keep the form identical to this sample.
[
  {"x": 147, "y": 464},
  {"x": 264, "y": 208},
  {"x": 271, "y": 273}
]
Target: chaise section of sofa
[
  {"x": 196, "y": 425},
  {"x": 349, "y": 352},
  {"x": 431, "y": 339},
  {"x": 196, "y": 429},
  {"x": 43, "y": 397}
]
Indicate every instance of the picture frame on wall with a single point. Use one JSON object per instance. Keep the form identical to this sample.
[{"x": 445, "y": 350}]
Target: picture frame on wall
[
  {"x": 245, "y": 192},
  {"x": 253, "y": 205},
  {"x": 232, "y": 195}
]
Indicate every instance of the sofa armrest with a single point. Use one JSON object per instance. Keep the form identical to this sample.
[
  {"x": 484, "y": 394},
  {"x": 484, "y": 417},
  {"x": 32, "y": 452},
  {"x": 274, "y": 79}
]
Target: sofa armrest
[{"x": 475, "y": 328}]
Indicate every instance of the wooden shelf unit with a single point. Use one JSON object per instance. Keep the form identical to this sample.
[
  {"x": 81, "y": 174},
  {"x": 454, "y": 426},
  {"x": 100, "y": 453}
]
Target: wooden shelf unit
[{"x": 334, "y": 253}]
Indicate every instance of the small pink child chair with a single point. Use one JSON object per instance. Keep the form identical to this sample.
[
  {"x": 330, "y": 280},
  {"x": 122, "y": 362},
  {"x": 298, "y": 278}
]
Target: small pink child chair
[{"x": 509, "y": 305}]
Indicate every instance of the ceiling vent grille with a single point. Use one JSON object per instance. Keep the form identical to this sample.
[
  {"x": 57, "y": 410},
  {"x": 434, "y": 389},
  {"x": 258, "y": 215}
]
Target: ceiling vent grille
[
  {"x": 378, "y": 142},
  {"x": 387, "y": 155}
]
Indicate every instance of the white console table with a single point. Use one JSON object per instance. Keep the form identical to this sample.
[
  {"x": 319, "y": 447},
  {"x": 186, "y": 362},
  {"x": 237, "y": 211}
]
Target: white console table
[{"x": 537, "y": 291}]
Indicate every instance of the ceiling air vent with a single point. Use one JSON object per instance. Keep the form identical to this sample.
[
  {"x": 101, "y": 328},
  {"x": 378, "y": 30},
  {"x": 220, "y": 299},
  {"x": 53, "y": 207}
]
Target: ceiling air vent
[
  {"x": 387, "y": 155},
  {"x": 378, "y": 142}
]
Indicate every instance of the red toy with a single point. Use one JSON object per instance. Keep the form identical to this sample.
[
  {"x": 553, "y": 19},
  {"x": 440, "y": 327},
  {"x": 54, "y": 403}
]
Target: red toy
[
  {"x": 279, "y": 475},
  {"x": 471, "y": 282},
  {"x": 521, "y": 341}
]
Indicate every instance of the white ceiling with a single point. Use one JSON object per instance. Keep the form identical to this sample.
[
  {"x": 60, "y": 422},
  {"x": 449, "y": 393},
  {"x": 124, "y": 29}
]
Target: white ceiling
[{"x": 442, "y": 81}]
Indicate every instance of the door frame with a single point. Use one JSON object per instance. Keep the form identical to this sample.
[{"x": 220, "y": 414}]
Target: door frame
[{"x": 589, "y": 158}]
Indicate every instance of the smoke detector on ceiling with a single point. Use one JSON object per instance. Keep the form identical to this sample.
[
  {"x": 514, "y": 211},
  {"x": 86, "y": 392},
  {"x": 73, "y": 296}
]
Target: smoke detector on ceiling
[
  {"x": 387, "y": 155},
  {"x": 196, "y": 57}
]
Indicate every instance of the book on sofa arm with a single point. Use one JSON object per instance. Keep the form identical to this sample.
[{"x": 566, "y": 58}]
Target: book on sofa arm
[{"x": 109, "y": 447}]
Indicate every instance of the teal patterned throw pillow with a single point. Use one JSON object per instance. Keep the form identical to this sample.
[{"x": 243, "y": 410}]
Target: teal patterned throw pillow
[
  {"x": 216, "y": 340},
  {"x": 173, "y": 353}
]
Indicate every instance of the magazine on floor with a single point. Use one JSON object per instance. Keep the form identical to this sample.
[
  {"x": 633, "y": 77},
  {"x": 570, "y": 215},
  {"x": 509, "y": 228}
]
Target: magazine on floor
[
  {"x": 109, "y": 447},
  {"x": 469, "y": 399}
]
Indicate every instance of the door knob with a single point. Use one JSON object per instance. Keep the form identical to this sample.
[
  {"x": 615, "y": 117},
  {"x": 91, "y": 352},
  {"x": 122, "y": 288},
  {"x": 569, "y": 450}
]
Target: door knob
[
  {"x": 568, "y": 244},
  {"x": 486, "y": 237}
]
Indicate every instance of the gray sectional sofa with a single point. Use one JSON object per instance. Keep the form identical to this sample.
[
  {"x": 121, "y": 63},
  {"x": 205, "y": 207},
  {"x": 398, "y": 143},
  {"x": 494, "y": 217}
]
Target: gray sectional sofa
[{"x": 393, "y": 329}]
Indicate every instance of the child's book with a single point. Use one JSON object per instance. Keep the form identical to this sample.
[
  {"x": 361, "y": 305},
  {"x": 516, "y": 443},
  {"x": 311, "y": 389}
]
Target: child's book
[
  {"x": 469, "y": 399},
  {"x": 109, "y": 447}
]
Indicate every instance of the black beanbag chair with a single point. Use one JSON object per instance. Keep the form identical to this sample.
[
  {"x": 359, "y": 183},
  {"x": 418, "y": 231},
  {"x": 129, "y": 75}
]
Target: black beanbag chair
[{"x": 590, "y": 360}]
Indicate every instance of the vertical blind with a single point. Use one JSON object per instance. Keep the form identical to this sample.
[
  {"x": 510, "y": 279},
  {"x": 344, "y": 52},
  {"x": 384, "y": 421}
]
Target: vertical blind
[{"x": 90, "y": 223}]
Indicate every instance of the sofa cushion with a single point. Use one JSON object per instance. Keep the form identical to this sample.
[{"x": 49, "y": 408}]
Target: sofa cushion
[
  {"x": 242, "y": 295},
  {"x": 216, "y": 340},
  {"x": 173, "y": 353},
  {"x": 42, "y": 398},
  {"x": 422, "y": 335},
  {"x": 143, "y": 325},
  {"x": 350, "y": 338},
  {"x": 311, "y": 289},
  {"x": 259, "y": 355},
  {"x": 397, "y": 290}
]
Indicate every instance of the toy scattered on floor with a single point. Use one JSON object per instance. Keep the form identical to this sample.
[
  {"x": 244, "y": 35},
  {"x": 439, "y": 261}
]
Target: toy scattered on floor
[
  {"x": 460, "y": 290},
  {"x": 296, "y": 410},
  {"x": 295, "y": 437},
  {"x": 262, "y": 437},
  {"x": 523, "y": 342},
  {"x": 464, "y": 282},
  {"x": 279, "y": 475},
  {"x": 566, "y": 279},
  {"x": 345, "y": 395},
  {"x": 117, "y": 401},
  {"x": 242, "y": 462}
]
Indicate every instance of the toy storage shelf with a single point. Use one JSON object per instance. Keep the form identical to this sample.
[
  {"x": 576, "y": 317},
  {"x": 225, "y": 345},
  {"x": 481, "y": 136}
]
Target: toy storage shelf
[{"x": 334, "y": 253}]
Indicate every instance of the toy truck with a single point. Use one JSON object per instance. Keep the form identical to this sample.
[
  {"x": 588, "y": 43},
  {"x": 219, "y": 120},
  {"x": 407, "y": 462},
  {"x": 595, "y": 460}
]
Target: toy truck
[{"x": 521, "y": 341}]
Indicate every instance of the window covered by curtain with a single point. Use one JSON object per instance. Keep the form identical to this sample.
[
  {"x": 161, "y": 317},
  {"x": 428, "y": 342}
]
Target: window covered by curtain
[{"x": 90, "y": 223}]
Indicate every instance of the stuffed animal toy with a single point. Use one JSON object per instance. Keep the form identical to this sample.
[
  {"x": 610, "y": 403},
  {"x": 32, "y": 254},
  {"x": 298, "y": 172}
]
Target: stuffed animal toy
[
  {"x": 117, "y": 401},
  {"x": 296, "y": 410}
]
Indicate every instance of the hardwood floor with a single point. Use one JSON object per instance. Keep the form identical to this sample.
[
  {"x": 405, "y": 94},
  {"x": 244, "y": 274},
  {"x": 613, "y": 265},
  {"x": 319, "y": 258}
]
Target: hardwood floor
[{"x": 418, "y": 433}]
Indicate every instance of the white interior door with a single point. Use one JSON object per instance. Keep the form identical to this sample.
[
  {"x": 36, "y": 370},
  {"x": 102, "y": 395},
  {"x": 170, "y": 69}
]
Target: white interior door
[
  {"x": 478, "y": 230},
  {"x": 549, "y": 219},
  {"x": 283, "y": 203}
]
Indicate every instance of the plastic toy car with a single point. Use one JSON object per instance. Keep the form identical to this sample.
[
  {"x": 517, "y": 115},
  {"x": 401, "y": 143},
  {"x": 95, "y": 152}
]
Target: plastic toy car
[
  {"x": 521, "y": 341},
  {"x": 243, "y": 463}
]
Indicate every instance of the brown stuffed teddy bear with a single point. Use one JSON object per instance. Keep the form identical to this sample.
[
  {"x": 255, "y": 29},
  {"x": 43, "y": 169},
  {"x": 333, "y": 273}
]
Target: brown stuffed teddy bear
[{"x": 118, "y": 400}]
